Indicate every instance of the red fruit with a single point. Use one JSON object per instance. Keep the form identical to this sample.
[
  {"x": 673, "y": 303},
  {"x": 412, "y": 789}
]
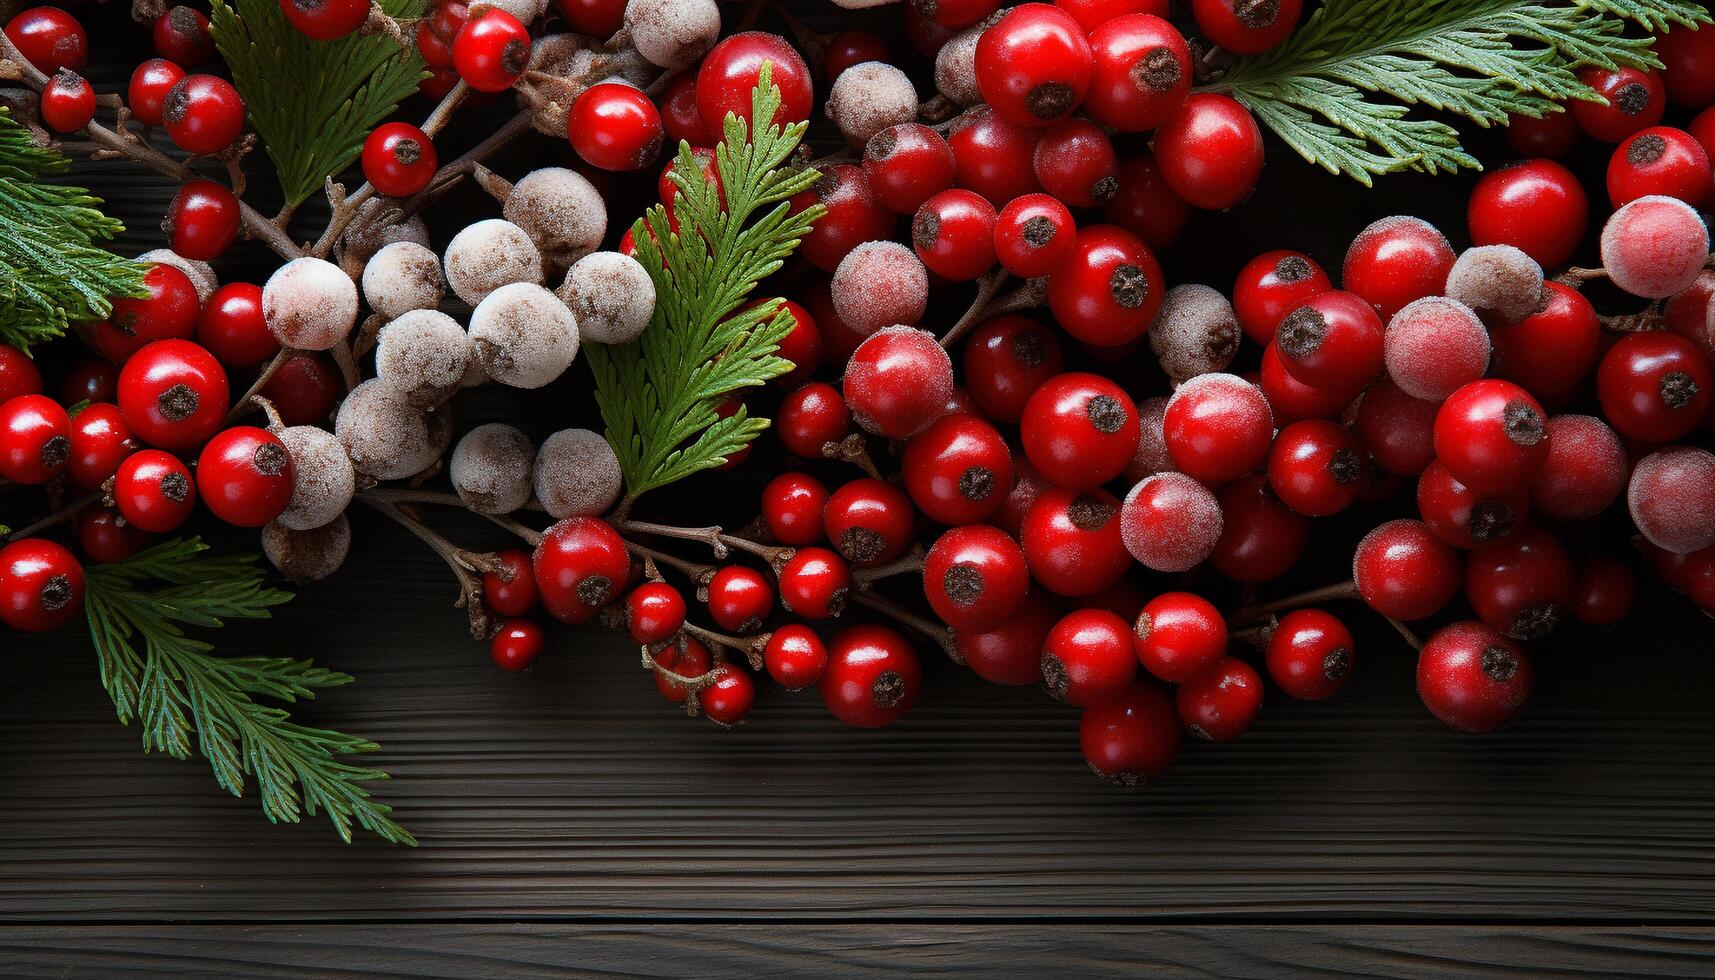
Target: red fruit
[
  {"x": 1672, "y": 498},
  {"x": 1687, "y": 55},
  {"x": 398, "y": 159},
  {"x": 1033, "y": 66},
  {"x": 1585, "y": 469},
  {"x": 173, "y": 394},
  {"x": 98, "y": 442},
  {"x": 849, "y": 48},
  {"x": 1395, "y": 261},
  {"x": 517, "y": 645},
  {"x": 728, "y": 699},
  {"x": 41, "y": 586},
  {"x": 1685, "y": 313},
  {"x": 1604, "y": 590},
  {"x": 1087, "y": 658},
  {"x": 792, "y": 505},
  {"x": 1272, "y": 285},
  {"x": 691, "y": 660},
  {"x": 202, "y": 114},
  {"x": 1132, "y": 738},
  {"x": 898, "y": 382},
  {"x": 511, "y": 589},
  {"x": 1315, "y": 467},
  {"x": 957, "y": 470},
  {"x": 104, "y": 537},
  {"x": 325, "y": 20},
  {"x": 906, "y": 165},
  {"x": 1210, "y": 151},
  {"x": 67, "y": 102},
  {"x": 802, "y": 346},
  {"x": 1011, "y": 653},
  {"x": 49, "y": 38},
  {"x": 1217, "y": 427},
  {"x": 1334, "y": 341},
  {"x": 594, "y": 18},
  {"x": 1034, "y": 236},
  {"x": 1142, "y": 72},
  {"x": 1310, "y": 655},
  {"x": 1223, "y": 702},
  {"x": 1291, "y": 398},
  {"x": 245, "y": 476},
  {"x": 1472, "y": 678},
  {"x": 18, "y": 374},
  {"x": 869, "y": 521},
  {"x": 35, "y": 439},
  {"x": 795, "y": 656},
  {"x": 203, "y": 220},
  {"x": 1397, "y": 430},
  {"x": 1536, "y": 205},
  {"x": 1553, "y": 135},
  {"x": 1654, "y": 247},
  {"x": 1635, "y": 100},
  {"x": 731, "y": 70},
  {"x": 992, "y": 156},
  {"x": 811, "y": 417},
  {"x": 1491, "y": 435},
  {"x": 1145, "y": 206},
  {"x": 654, "y": 613},
  {"x": 975, "y": 577},
  {"x": 1464, "y": 518},
  {"x": 1109, "y": 290},
  {"x": 1522, "y": 586},
  {"x": 1080, "y": 427},
  {"x": 953, "y": 233},
  {"x": 854, "y": 215},
  {"x": 873, "y": 676},
  {"x": 1170, "y": 522},
  {"x": 1245, "y": 27},
  {"x": 814, "y": 583},
  {"x": 1659, "y": 160},
  {"x": 1006, "y": 359},
  {"x": 89, "y": 379},
  {"x": 491, "y": 50},
  {"x": 154, "y": 491},
  {"x": 1091, "y": 14},
  {"x": 303, "y": 389},
  {"x": 1179, "y": 636},
  {"x": 232, "y": 328},
  {"x": 169, "y": 312},
  {"x": 147, "y": 94},
  {"x": 1072, "y": 541},
  {"x": 615, "y": 126},
  {"x": 1552, "y": 351},
  {"x": 1261, "y": 539},
  {"x": 1654, "y": 386},
  {"x": 580, "y": 564},
  {"x": 740, "y": 599},
  {"x": 680, "y": 120},
  {"x": 1403, "y": 570},
  {"x": 1435, "y": 345},
  {"x": 1076, "y": 163}
]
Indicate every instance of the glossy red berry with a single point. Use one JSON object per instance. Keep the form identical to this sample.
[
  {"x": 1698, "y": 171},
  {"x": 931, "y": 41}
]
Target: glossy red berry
[
  {"x": 687, "y": 658},
  {"x": 849, "y": 48},
  {"x": 958, "y": 470},
  {"x": 1334, "y": 341},
  {"x": 1011, "y": 653},
  {"x": 898, "y": 382},
  {"x": 1006, "y": 359},
  {"x": 398, "y": 159},
  {"x": 873, "y": 676},
  {"x": 740, "y": 599},
  {"x": 1179, "y": 636},
  {"x": 615, "y": 127},
  {"x": 67, "y": 102},
  {"x": 1654, "y": 386},
  {"x": 1551, "y": 352},
  {"x": 869, "y": 521},
  {"x": 1659, "y": 160},
  {"x": 1087, "y": 658},
  {"x": 41, "y": 586},
  {"x": 1075, "y": 162},
  {"x": 35, "y": 439},
  {"x": 1604, "y": 591},
  {"x": 1141, "y": 72},
  {"x": 731, "y": 70},
  {"x": 594, "y": 18},
  {"x": 169, "y": 312},
  {"x": 104, "y": 537},
  {"x": 304, "y": 389},
  {"x": 907, "y": 164},
  {"x": 1310, "y": 655},
  {"x": 1217, "y": 427},
  {"x": 1634, "y": 99},
  {"x": 1403, "y": 570},
  {"x": 792, "y": 505},
  {"x": 1132, "y": 738},
  {"x": 88, "y": 379},
  {"x": 1522, "y": 586},
  {"x": 491, "y": 50},
  {"x": 245, "y": 476},
  {"x": 1397, "y": 430},
  {"x": 19, "y": 375},
  {"x": 1246, "y": 26},
  {"x": 1316, "y": 467},
  {"x": 814, "y": 583},
  {"x": 1291, "y": 398},
  {"x": 181, "y": 35},
  {"x": 325, "y": 20},
  {"x": 975, "y": 577},
  {"x": 1072, "y": 541},
  {"x": 1537, "y": 206},
  {"x": 1473, "y": 678},
  {"x": 953, "y": 233},
  {"x": 1210, "y": 151},
  {"x": 510, "y": 590},
  {"x": 1034, "y": 65},
  {"x": 1491, "y": 435},
  {"x": 726, "y": 701},
  {"x": 99, "y": 442},
  {"x": 203, "y": 114},
  {"x": 680, "y": 120},
  {"x": 1272, "y": 285},
  {"x": 49, "y": 39},
  {"x": 203, "y": 220},
  {"x": 154, "y": 491},
  {"x": 1221, "y": 703},
  {"x": 1034, "y": 235},
  {"x": 992, "y": 156},
  {"x": 1261, "y": 538},
  {"x": 146, "y": 96},
  {"x": 1687, "y": 54},
  {"x": 580, "y": 564},
  {"x": 232, "y": 329},
  {"x": 795, "y": 656},
  {"x": 1109, "y": 290},
  {"x": 517, "y": 645},
  {"x": 1080, "y": 427},
  {"x": 853, "y": 216},
  {"x": 1465, "y": 518},
  {"x": 1585, "y": 470},
  {"x": 811, "y": 417},
  {"x": 1145, "y": 206},
  {"x": 1395, "y": 261},
  {"x": 173, "y": 394}
]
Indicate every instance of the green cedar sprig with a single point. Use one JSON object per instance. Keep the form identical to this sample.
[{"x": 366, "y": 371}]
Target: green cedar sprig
[
  {"x": 313, "y": 102},
  {"x": 1480, "y": 60},
  {"x": 180, "y": 692},
  {"x": 659, "y": 394}
]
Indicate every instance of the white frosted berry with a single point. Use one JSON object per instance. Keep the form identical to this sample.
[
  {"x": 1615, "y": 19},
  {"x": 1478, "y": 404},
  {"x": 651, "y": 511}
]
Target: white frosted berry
[
  {"x": 309, "y": 304},
  {"x": 869, "y": 97},
  {"x": 201, "y": 274},
  {"x": 370, "y": 232},
  {"x": 525, "y": 10},
  {"x": 488, "y": 255},
  {"x": 383, "y": 434},
  {"x": 525, "y": 337},
  {"x": 308, "y": 555},
  {"x": 491, "y": 468},
  {"x": 611, "y": 295},
  {"x": 673, "y": 33},
  {"x": 880, "y": 284},
  {"x": 323, "y": 479},
  {"x": 561, "y": 211},
  {"x": 1654, "y": 246},
  {"x": 956, "y": 67},
  {"x": 1170, "y": 522},
  {"x": 577, "y": 474},
  {"x": 1497, "y": 280},
  {"x": 1195, "y": 332},
  {"x": 402, "y": 277},
  {"x": 422, "y": 357}
]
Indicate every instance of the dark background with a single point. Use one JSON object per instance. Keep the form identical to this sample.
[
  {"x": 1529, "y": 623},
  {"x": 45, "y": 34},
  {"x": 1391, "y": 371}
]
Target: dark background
[{"x": 572, "y": 818}]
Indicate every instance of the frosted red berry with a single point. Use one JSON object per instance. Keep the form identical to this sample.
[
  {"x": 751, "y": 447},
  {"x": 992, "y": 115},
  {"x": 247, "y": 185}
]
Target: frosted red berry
[
  {"x": 1217, "y": 427},
  {"x": 898, "y": 382},
  {"x": 1170, "y": 522},
  {"x": 1403, "y": 570}
]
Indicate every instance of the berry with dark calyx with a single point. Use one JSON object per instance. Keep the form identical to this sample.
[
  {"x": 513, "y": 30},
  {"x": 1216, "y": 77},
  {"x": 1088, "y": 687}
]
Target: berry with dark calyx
[
  {"x": 231, "y": 326},
  {"x": 1011, "y": 653},
  {"x": 957, "y": 470},
  {"x": 1584, "y": 472},
  {"x": 1179, "y": 636},
  {"x": 1535, "y": 205},
  {"x": 992, "y": 156},
  {"x": 244, "y": 476},
  {"x": 614, "y": 126},
  {"x": 1221, "y": 703},
  {"x": 907, "y": 164},
  {"x": 581, "y": 564},
  {"x": 873, "y": 676},
  {"x": 740, "y": 599},
  {"x": 975, "y": 577},
  {"x": 1473, "y": 678},
  {"x": 1006, "y": 359},
  {"x": 1523, "y": 586},
  {"x": 49, "y": 39},
  {"x": 154, "y": 491},
  {"x": 511, "y": 590},
  {"x": 1491, "y": 435},
  {"x": 104, "y": 537},
  {"x": 1272, "y": 285},
  {"x": 1654, "y": 386},
  {"x": 1401, "y": 569},
  {"x": 67, "y": 102},
  {"x": 1334, "y": 341},
  {"x": 1132, "y": 738},
  {"x": 1034, "y": 235},
  {"x": 35, "y": 439},
  {"x": 203, "y": 220},
  {"x": 1316, "y": 467},
  {"x": 398, "y": 159},
  {"x": 1463, "y": 517},
  {"x": 1210, "y": 151},
  {"x": 41, "y": 586},
  {"x": 1072, "y": 541},
  {"x": 491, "y": 50},
  {"x": 1034, "y": 65},
  {"x": 1076, "y": 163},
  {"x": 898, "y": 382},
  {"x": 181, "y": 34},
  {"x": 795, "y": 656},
  {"x": 169, "y": 312},
  {"x": 810, "y": 417},
  {"x": 1217, "y": 427},
  {"x": 1246, "y": 26},
  {"x": 1080, "y": 427},
  {"x": 854, "y": 215},
  {"x": 1087, "y": 658},
  {"x": 1261, "y": 538},
  {"x": 146, "y": 96},
  {"x": 1142, "y": 71},
  {"x": 814, "y": 583},
  {"x": 1397, "y": 430},
  {"x": 1395, "y": 261},
  {"x": 792, "y": 505},
  {"x": 325, "y": 20},
  {"x": 1604, "y": 590},
  {"x": 203, "y": 114},
  {"x": 953, "y": 233},
  {"x": 1170, "y": 522},
  {"x": 726, "y": 701},
  {"x": 732, "y": 69},
  {"x": 1552, "y": 351},
  {"x": 99, "y": 442},
  {"x": 1660, "y": 160},
  {"x": 869, "y": 521},
  {"x": 1309, "y": 655},
  {"x": 1110, "y": 289},
  {"x": 1633, "y": 99},
  {"x": 1290, "y": 398},
  {"x": 173, "y": 394},
  {"x": 517, "y": 645}
]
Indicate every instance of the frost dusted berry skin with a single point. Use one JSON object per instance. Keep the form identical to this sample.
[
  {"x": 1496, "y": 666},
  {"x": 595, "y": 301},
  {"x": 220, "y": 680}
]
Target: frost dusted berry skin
[
  {"x": 1133, "y": 737},
  {"x": 1473, "y": 678},
  {"x": 898, "y": 382},
  {"x": 580, "y": 565},
  {"x": 873, "y": 676}
]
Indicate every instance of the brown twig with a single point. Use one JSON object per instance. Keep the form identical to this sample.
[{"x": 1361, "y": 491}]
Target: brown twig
[
  {"x": 242, "y": 405},
  {"x": 467, "y": 566},
  {"x": 899, "y": 614},
  {"x": 63, "y": 514},
  {"x": 1327, "y": 593},
  {"x": 906, "y": 564}
]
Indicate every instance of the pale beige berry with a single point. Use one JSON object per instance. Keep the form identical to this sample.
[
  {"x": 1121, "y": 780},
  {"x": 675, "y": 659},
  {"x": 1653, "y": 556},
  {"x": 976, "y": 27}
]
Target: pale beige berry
[
  {"x": 402, "y": 277},
  {"x": 561, "y": 211},
  {"x": 323, "y": 479},
  {"x": 869, "y": 97},
  {"x": 577, "y": 474},
  {"x": 309, "y": 304},
  {"x": 488, "y": 255},
  {"x": 308, "y": 555},
  {"x": 525, "y": 337},
  {"x": 491, "y": 468},
  {"x": 422, "y": 357},
  {"x": 611, "y": 295},
  {"x": 673, "y": 33}
]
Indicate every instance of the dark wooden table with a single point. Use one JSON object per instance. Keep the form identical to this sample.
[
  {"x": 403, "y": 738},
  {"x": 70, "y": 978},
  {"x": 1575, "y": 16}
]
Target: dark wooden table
[{"x": 571, "y": 819}]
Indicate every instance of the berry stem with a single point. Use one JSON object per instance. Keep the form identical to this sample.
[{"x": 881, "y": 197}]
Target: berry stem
[
  {"x": 749, "y": 646},
  {"x": 699, "y": 574},
  {"x": 691, "y": 684},
  {"x": 853, "y": 450},
  {"x": 899, "y": 614},
  {"x": 1405, "y": 631},
  {"x": 1338, "y": 590},
  {"x": 987, "y": 287},
  {"x": 64, "y": 513},
  {"x": 709, "y": 536},
  {"x": 242, "y": 405},
  {"x": 466, "y": 565},
  {"x": 908, "y": 563},
  {"x": 1576, "y": 277},
  {"x": 1640, "y": 322}
]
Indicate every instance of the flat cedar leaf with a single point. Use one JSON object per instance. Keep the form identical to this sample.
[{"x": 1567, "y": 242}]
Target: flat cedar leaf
[
  {"x": 1340, "y": 91},
  {"x": 661, "y": 395},
  {"x": 313, "y": 102}
]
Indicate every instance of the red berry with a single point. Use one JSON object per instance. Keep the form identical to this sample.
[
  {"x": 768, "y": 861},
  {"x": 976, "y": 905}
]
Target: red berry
[
  {"x": 89, "y": 379},
  {"x": 957, "y": 470},
  {"x": 1464, "y": 518},
  {"x": 203, "y": 220},
  {"x": 41, "y": 586},
  {"x": 1634, "y": 99},
  {"x": 1145, "y": 206},
  {"x": 1006, "y": 359},
  {"x": 1246, "y": 27},
  {"x": 105, "y": 537},
  {"x": 849, "y": 48},
  {"x": 680, "y": 120},
  {"x": 1261, "y": 538},
  {"x": 232, "y": 328},
  {"x": 173, "y": 394},
  {"x": 792, "y": 505},
  {"x": 491, "y": 50},
  {"x": 325, "y": 20},
  {"x": 1170, "y": 522},
  {"x": 1334, "y": 341},
  {"x": 1685, "y": 313},
  {"x": 99, "y": 442},
  {"x": 1659, "y": 160},
  {"x": 802, "y": 346},
  {"x": 740, "y": 599},
  {"x": 517, "y": 645},
  {"x": 1395, "y": 261},
  {"x": 181, "y": 34},
  {"x": 1397, "y": 430},
  {"x": 154, "y": 491},
  {"x": 898, "y": 382},
  {"x": 1315, "y": 467},
  {"x": 690, "y": 660},
  {"x": 1091, "y": 14},
  {"x": 1072, "y": 541},
  {"x": 49, "y": 39},
  {"x": 398, "y": 159},
  {"x": 18, "y": 374},
  {"x": 1687, "y": 55},
  {"x": 1553, "y": 135},
  {"x": 1109, "y": 290},
  {"x": 1584, "y": 472},
  {"x": 202, "y": 114},
  {"x": 795, "y": 656},
  {"x": 1537, "y": 206},
  {"x": 953, "y": 233},
  {"x": 67, "y": 102},
  {"x": 1604, "y": 590},
  {"x": 169, "y": 312},
  {"x": 814, "y": 583},
  {"x": 992, "y": 156},
  {"x": 1034, "y": 236},
  {"x": 1080, "y": 427},
  {"x": 1491, "y": 435},
  {"x": 1435, "y": 345},
  {"x": 1221, "y": 703},
  {"x": 1310, "y": 655},
  {"x": 728, "y": 699},
  {"x": 1179, "y": 636},
  {"x": 873, "y": 676},
  {"x": 511, "y": 589},
  {"x": 1403, "y": 570},
  {"x": 907, "y": 164},
  {"x": 35, "y": 439},
  {"x": 580, "y": 563},
  {"x": 1654, "y": 386},
  {"x": 975, "y": 577},
  {"x": 1210, "y": 151},
  {"x": 1272, "y": 285},
  {"x": 614, "y": 126},
  {"x": 1011, "y": 653},
  {"x": 1141, "y": 75},
  {"x": 1655, "y": 246},
  {"x": 1522, "y": 586},
  {"x": 244, "y": 475},
  {"x": 654, "y": 612},
  {"x": 1291, "y": 398},
  {"x": 304, "y": 389},
  {"x": 595, "y": 18},
  {"x": 869, "y": 521},
  {"x": 1132, "y": 738},
  {"x": 731, "y": 70},
  {"x": 811, "y": 417},
  {"x": 1672, "y": 498},
  {"x": 1217, "y": 427},
  {"x": 1473, "y": 678},
  {"x": 1033, "y": 66},
  {"x": 1087, "y": 658},
  {"x": 853, "y": 216},
  {"x": 1552, "y": 351},
  {"x": 1076, "y": 163},
  {"x": 147, "y": 94}
]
